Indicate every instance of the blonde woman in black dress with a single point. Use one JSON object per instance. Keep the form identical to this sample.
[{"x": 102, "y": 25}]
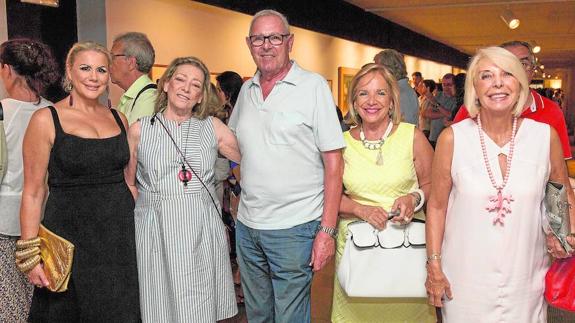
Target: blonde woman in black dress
[{"x": 83, "y": 146}]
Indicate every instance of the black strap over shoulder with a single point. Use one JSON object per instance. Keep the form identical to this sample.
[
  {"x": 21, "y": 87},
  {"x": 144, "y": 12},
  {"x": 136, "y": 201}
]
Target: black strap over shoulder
[
  {"x": 144, "y": 89},
  {"x": 1, "y": 112},
  {"x": 118, "y": 120}
]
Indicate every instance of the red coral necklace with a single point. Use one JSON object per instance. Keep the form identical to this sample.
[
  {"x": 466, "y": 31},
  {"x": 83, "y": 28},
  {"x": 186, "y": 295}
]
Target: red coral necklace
[{"x": 499, "y": 203}]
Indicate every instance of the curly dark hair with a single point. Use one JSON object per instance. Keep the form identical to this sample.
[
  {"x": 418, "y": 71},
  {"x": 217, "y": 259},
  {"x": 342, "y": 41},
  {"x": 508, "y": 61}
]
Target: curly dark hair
[{"x": 31, "y": 60}]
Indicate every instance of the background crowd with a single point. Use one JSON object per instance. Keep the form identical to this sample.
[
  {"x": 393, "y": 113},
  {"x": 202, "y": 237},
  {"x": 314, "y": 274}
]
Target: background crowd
[{"x": 170, "y": 195}]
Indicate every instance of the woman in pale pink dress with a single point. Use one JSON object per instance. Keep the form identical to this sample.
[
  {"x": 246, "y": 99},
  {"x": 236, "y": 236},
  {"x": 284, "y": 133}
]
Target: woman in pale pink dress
[{"x": 487, "y": 251}]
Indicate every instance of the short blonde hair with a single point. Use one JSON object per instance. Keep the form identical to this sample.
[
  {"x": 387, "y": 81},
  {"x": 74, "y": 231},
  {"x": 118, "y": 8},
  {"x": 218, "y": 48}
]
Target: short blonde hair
[
  {"x": 76, "y": 49},
  {"x": 506, "y": 61},
  {"x": 353, "y": 117},
  {"x": 201, "y": 110}
]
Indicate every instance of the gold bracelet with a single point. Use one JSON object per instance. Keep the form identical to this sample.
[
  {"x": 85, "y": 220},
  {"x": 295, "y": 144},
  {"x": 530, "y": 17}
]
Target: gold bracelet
[
  {"x": 27, "y": 253},
  {"x": 433, "y": 256},
  {"x": 28, "y": 264},
  {"x": 25, "y": 244}
]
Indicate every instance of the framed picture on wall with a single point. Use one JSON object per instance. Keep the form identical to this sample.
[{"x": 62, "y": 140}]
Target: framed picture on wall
[
  {"x": 157, "y": 72},
  {"x": 344, "y": 76}
]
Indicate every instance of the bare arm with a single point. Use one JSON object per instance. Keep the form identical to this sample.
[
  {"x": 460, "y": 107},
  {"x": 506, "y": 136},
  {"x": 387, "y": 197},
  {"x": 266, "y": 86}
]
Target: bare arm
[
  {"x": 324, "y": 245},
  {"x": 558, "y": 174},
  {"x": 439, "y": 111},
  {"x": 130, "y": 170},
  {"x": 422, "y": 159},
  {"x": 36, "y": 148},
  {"x": 227, "y": 142},
  {"x": 36, "y": 155},
  {"x": 437, "y": 284}
]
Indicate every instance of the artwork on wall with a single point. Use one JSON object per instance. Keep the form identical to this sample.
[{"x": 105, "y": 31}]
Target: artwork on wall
[
  {"x": 157, "y": 72},
  {"x": 344, "y": 76}
]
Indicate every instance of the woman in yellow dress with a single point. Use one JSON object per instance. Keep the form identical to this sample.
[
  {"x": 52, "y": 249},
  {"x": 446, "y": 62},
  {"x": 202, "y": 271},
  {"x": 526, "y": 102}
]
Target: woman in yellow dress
[{"x": 385, "y": 161}]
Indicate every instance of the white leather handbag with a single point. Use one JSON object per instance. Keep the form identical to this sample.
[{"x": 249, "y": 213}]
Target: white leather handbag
[{"x": 388, "y": 263}]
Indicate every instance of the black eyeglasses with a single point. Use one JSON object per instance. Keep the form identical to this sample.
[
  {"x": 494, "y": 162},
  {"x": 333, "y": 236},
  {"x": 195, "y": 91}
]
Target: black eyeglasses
[
  {"x": 118, "y": 55},
  {"x": 275, "y": 39}
]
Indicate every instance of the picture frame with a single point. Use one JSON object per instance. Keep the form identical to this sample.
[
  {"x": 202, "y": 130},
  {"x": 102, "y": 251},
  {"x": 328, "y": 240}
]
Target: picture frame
[
  {"x": 156, "y": 72},
  {"x": 344, "y": 77}
]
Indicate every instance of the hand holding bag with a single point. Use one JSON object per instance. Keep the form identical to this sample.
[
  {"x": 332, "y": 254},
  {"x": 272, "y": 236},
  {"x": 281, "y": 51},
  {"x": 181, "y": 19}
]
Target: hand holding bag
[
  {"x": 557, "y": 213},
  {"x": 57, "y": 255},
  {"x": 388, "y": 263}
]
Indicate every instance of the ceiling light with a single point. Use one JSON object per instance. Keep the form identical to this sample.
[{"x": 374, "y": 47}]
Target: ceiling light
[
  {"x": 542, "y": 66},
  {"x": 50, "y": 3},
  {"x": 509, "y": 19},
  {"x": 536, "y": 47}
]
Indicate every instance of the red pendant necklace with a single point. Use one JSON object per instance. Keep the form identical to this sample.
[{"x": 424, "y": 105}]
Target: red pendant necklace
[
  {"x": 500, "y": 203},
  {"x": 184, "y": 175}
]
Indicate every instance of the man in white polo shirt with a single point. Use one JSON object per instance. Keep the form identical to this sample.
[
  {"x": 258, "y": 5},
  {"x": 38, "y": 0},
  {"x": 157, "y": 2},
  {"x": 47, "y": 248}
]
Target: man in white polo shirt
[{"x": 290, "y": 139}]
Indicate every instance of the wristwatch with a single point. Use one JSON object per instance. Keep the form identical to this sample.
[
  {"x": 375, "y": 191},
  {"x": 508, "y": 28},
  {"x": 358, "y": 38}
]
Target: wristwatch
[{"x": 331, "y": 231}]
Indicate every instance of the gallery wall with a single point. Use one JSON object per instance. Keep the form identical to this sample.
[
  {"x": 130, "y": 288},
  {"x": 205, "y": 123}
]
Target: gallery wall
[{"x": 217, "y": 36}]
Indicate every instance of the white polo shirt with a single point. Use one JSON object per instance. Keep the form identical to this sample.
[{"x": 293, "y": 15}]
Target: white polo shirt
[{"x": 281, "y": 140}]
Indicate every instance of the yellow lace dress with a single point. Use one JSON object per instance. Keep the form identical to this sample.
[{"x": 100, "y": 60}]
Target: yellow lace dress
[{"x": 371, "y": 184}]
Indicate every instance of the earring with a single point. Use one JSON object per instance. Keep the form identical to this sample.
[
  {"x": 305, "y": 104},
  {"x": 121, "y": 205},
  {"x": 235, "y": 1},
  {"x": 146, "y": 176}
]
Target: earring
[
  {"x": 109, "y": 104},
  {"x": 71, "y": 101},
  {"x": 390, "y": 112},
  {"x": 68, "y": 86}
]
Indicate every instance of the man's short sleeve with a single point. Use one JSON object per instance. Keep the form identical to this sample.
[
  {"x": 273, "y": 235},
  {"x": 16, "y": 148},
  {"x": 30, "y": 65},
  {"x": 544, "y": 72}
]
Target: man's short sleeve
[
  {"x": 144, "y": 106},
  {"x": 462, "y": 114},
  {"x": 234, "y": 118},
  {"x": 557, "y": 121},
  {"x": 327, "y": 129}
]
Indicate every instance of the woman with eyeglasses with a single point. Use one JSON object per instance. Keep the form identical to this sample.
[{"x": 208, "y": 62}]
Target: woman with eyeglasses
[
  {"x": 183, "y": 255},
  {"x": 486, "y": 245},
  {"x": 27, "y": 68}
]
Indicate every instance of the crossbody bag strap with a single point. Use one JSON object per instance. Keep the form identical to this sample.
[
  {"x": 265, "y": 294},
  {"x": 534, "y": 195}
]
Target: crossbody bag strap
[
  {"x": 3, "y": 148},
  {"x": 144, "y": 89}
]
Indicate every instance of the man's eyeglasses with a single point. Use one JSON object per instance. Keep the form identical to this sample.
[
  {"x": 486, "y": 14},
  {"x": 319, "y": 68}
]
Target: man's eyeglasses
[
  {"x": 526, "y": 64},
  {"x": 274, "y": 39},
  {"x": 118, "y": 55}
]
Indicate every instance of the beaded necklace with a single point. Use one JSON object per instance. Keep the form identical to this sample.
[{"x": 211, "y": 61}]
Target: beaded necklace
[
  {"x": 499, "y": 203},
  {"x": 376, "y": 144}
]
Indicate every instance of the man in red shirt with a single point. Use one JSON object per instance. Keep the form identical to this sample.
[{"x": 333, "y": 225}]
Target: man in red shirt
[{"x": 538, "y": 108}]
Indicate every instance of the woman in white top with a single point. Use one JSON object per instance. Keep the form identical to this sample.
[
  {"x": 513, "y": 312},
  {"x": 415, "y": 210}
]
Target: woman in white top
[
  {"x": 26, "y": 69},
  {"x": 487, "y": 250}
]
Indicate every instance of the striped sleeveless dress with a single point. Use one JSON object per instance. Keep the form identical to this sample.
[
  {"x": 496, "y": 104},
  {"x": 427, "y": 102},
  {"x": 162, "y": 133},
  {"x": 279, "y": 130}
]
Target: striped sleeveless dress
[{"x": 183, "y": 257}]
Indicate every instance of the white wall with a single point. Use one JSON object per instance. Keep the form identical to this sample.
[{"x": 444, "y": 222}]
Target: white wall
[
  {"x": 217, "y": 36},
  {"x": 91, "y": 20}
]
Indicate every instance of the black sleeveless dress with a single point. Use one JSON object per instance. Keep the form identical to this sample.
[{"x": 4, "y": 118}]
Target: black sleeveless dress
[{"x": 91, "y": 206}]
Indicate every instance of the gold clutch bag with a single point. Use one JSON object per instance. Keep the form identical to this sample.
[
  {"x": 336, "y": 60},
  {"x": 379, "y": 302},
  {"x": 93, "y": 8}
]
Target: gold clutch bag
[{"x": 57, "y": 255}]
